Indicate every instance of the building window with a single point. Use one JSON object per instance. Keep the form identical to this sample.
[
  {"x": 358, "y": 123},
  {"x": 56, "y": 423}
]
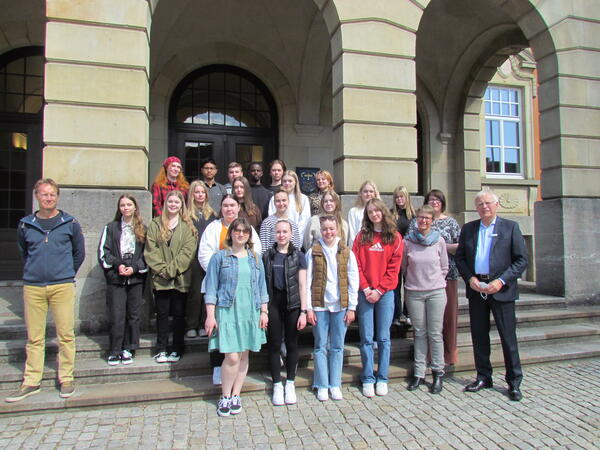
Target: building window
[
  {"x": 224, "y": 98},
  {"x": 503, "y": 125}
]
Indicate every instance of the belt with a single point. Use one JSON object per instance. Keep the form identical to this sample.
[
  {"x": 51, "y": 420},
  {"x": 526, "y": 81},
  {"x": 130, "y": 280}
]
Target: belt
[{"x": 482, "y": 277}]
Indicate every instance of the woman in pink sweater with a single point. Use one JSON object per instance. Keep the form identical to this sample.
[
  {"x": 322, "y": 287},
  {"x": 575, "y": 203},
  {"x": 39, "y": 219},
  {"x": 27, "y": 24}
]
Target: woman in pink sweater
[
  {"x": 378, "y": 250},
  {"x": 425, "y": 265}
]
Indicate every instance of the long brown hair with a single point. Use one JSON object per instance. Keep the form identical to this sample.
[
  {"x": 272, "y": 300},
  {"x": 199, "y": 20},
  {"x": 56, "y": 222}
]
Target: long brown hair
[
  {"x": 139, "y": 229},
  {"x": 337, "y": 213},
  {"x": 247, "y": 205},
  {"x": 388, "y": 225},
  {"x": 162, "y": 180},
  {"x": 205, "y": 209},
  {"x": 165, "y": 232}
]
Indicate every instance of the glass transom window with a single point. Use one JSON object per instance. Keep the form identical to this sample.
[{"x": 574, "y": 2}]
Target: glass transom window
[
  {"x": 223, "y": 98},
  {"x": 22, "y": 85},
  {"x": 503, "y": 131}
]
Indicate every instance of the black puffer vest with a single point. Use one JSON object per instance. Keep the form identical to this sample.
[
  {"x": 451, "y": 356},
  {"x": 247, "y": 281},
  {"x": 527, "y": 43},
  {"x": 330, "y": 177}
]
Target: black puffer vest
[{"x": 291, "y": 267}]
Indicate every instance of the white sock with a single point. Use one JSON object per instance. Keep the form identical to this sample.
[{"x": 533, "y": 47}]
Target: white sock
[{"x": 289, "y": 382}]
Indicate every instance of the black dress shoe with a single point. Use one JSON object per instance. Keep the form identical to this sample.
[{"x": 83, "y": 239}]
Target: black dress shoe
[
  {"x": 478, "y": 385},
  {"x": 415, "y": 383},
  {"x": 514, "y": 394}
]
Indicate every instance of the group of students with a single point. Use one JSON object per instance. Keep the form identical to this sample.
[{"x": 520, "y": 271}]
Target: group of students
[{"x": 215, "y": 275}]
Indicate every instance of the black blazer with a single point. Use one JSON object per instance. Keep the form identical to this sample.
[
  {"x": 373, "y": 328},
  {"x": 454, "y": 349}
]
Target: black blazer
[
  {"x": 508, "y": 256},
  {"x": 109, "y": 257}
]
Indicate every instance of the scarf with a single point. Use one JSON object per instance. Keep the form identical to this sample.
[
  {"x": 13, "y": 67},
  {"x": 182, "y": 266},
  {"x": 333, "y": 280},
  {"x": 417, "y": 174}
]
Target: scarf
[{"x": 430, "y": 239}]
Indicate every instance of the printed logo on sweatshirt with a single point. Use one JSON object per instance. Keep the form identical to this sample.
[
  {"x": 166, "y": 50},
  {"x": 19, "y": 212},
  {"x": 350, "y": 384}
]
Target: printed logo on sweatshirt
[{"x": 376, "y": 248}]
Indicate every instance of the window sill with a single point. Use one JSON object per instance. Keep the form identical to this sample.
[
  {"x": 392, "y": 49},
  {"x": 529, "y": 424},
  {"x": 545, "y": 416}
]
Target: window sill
[{"x": 509, "y": 181}]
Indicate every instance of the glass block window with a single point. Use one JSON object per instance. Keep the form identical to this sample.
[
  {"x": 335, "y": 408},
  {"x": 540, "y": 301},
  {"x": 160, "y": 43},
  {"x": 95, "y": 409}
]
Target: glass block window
[
  {"x": 503, "y": 131},
  {"x": 223, "y": 98}
]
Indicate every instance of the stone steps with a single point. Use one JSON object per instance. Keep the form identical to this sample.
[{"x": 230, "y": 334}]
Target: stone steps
[{"x": 200, "y": 386}]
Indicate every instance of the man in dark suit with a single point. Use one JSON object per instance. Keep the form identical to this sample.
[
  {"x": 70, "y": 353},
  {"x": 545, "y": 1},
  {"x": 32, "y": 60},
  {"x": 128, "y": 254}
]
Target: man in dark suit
[{"x": 491, "y": 255}]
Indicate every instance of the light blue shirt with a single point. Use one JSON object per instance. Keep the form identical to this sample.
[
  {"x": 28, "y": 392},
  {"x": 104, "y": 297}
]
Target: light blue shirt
[{"x": 484, "y": 244}]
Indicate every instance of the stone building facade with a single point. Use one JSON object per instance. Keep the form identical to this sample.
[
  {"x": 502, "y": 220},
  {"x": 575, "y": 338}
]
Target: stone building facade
[{"x": 393, "y": 90}]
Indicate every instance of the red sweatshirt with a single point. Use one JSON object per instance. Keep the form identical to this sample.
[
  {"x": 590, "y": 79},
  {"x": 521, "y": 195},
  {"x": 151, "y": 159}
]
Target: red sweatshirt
[{"x": 378, "y": 263}]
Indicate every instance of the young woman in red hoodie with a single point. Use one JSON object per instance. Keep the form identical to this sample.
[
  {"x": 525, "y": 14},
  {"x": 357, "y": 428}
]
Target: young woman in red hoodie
[{"x": 378, "y": 249}]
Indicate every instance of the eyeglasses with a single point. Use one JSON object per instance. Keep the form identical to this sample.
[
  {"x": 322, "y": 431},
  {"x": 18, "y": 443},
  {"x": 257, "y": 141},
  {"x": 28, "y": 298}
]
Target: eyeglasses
[
  {"x": 48, "y": 195},
  {"x": 241, "y": 231},
  {"x": 209, "y": 168},
  {"x": 424, "y": 218},
  {"x": 434, "y": 200}
]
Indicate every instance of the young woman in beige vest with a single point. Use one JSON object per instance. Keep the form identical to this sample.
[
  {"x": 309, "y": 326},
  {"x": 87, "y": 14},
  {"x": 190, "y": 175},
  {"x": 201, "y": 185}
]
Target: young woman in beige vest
[{"x": 332, "y": 280}]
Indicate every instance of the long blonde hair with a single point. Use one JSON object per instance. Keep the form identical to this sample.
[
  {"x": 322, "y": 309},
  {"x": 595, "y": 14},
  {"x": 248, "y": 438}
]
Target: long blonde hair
[
  {"x": 337, "y": 213},
  {"x": 296, "y": 191},
  {"x": 165, "y": 232},
  {"x": 401, "y": 191},
  {"x": 193, "y": 211},
  {"x": 359, "y": 201}
]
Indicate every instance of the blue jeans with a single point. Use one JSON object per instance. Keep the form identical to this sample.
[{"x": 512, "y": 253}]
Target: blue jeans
[
  {"x": 330, "y": 329},
  {"x": 375, "y": 319}
]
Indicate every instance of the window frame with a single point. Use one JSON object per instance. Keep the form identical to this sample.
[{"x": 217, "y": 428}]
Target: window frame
[{"x": 501, "y": 119}]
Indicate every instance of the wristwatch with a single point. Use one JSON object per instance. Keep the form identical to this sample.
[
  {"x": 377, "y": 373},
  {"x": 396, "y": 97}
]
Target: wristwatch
[{"x": 303, "y": 311}]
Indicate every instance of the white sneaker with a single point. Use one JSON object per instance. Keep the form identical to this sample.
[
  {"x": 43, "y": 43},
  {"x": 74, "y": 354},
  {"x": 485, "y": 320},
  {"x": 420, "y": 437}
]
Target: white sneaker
[
  {"x": 174, "y": 357},
  {"x": 368, "y": 390},
  {"x": 336, "y": 393},
  {"x": 290, "y": 393},
  {"x": 161, "y": 357},
  {"x": 381, "y": 388},
  {"x": 323, "y": 394},
  {"x": 126, "y": 357},
  {"x": 278, "y": 394},
  {"x": 191, "y": 334},
  {"x": 202, "y": 332},
  {"x": 217, "y": 375}
]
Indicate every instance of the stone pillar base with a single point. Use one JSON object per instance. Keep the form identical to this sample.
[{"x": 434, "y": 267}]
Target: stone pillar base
[
  {"x": 567, "y": 245},
  {"x": 94, "y": 208}
]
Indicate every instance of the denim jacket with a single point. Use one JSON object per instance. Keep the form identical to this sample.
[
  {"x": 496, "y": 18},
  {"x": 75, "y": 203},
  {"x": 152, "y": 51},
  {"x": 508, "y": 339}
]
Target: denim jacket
[{"x": 222, "y": 275}]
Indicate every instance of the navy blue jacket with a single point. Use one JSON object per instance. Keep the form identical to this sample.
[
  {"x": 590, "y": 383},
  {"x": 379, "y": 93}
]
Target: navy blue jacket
[
  {"x": 51, "y": 257},
  {"x": 508, "y": 256}
]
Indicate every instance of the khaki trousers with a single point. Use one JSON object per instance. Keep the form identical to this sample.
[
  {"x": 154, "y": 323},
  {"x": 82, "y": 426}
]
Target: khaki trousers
[{"x": 61, "y": 300}]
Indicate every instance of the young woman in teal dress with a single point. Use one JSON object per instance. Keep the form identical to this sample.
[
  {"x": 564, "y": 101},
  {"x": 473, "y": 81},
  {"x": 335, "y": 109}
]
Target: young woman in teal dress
[{"x": 236, "y": 310}]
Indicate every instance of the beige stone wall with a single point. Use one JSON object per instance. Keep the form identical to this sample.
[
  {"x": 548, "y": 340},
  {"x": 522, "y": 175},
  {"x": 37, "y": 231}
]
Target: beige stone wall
[
  {"x": 96, "y": 116},
  {"x": 374, "y": 84}
]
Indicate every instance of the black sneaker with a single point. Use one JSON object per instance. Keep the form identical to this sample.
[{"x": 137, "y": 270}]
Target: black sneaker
[
  {"x": 223, "y": 409},
  {"x": 126, "y": 357},
  {"x": 235, "y": 405},
  {"x": 113, "y": 360}
]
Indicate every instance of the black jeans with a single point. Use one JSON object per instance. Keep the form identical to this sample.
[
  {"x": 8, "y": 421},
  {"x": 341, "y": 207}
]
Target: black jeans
[
  {"x": 124, "y": 307},
  {"x": 282, "y": 323},
  {"x": 170, "y": 302},
  {"x": 195, "y": 314}
]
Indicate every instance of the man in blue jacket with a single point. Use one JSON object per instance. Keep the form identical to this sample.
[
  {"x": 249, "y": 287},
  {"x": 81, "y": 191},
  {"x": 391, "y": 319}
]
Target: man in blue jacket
[
  {"x": 52, "y": 246},
  {"x": 491, "y": 256}
]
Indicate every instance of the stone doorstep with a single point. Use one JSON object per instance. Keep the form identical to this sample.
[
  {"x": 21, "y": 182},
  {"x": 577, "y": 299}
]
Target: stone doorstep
[{"x": 201, "y": 386}]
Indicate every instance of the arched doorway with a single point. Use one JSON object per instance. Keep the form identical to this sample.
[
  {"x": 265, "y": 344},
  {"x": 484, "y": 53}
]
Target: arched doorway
[
  {"x": 225, "y": 113},
  {"x": 21, "y": 106}
]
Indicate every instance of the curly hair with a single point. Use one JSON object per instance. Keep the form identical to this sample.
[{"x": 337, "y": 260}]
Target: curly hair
[
  {"x": 139, "y": 229},
  {"x": 162, "y": 180},
  {"x": 388, "y": 225}
]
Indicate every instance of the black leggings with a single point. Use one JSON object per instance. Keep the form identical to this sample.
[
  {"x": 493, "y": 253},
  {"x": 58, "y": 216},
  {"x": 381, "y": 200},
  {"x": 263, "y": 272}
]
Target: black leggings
[
  {"x": 170, "y": 302},
  {"x": 282, "y": 322}
]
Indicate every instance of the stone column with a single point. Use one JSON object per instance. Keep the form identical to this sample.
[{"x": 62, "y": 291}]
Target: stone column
[
  {"x": 96, "y": 121},
  {"x": 566, "y": 220},
  {"x": 374, "y": 101}
]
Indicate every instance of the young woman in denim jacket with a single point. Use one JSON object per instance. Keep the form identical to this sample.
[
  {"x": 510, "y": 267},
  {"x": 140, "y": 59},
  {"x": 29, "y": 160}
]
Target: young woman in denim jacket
[{"x": 236, "y": 310}]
